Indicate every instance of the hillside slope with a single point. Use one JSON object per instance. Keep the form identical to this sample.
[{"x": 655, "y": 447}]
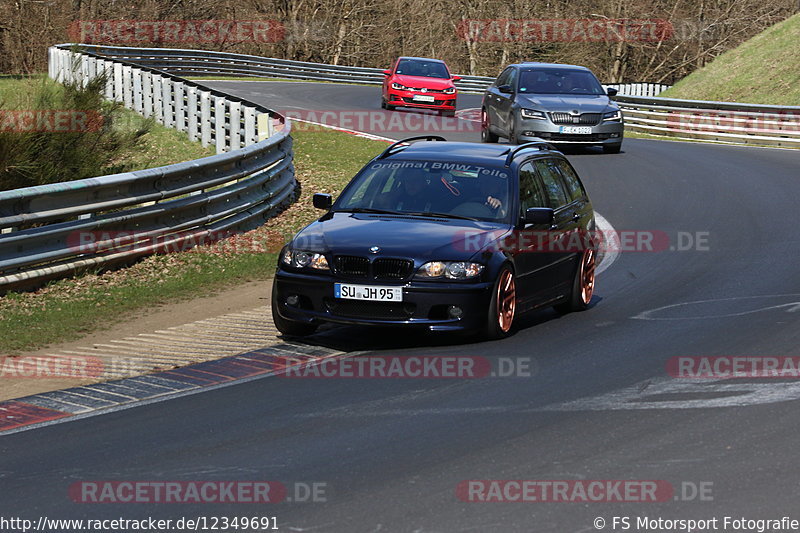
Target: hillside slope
[{"x": 762, "y": 70}]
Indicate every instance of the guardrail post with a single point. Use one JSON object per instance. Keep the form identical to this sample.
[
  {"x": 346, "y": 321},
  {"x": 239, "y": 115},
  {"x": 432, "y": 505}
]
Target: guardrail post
[
  {"x": 205, "y": 118},
  {"x": 147, "y": 94},
  {"x": 179, "y": 103},
  {"x": 92, "y": 63},
  {"x": 264, "y": 125},
  {"x": 235, "y": 125},
  {"x": 167, "y": 86},
  {"x": 220, "y": 137},
  {"x": 118, "y": 82},
  {"x": 249, "y": 126},
  {"x": 158, "y": 107},
  {"x": 137, "y": 90},
  {"x": 127, "y": 87},
  {"x": 191, "y": 112}
]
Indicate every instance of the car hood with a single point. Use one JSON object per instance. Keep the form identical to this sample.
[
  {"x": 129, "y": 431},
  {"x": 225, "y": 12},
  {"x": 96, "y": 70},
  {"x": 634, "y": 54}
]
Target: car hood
[
  {"x": 419, "y": 238},
  {"x": 564, "y": 102},
  {"x": 423, "y": 81}
]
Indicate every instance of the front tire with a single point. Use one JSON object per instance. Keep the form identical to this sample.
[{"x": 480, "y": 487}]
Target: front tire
[
  {"x": 503, "y": 305},
  {"x": 582, "y": 285},
  {"x": 486, "y": 135},
  {"x": 285, "y": 326},
  {"x": 612, "y": 148}
]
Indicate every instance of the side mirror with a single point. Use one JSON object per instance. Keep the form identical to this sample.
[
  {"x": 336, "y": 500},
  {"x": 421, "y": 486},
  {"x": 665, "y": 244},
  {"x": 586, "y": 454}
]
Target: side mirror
[
  {"x": 387, "y": 72},
  {"x": 456, "y": 78},
  {"x": 322, "y": 201},
  {"x": 539, "y": 215},
  {"x": 505, "y": 89},
  {"x": 612, "y": 91}
]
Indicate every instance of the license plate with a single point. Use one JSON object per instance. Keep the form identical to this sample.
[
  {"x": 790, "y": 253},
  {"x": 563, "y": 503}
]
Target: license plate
[
  {"x": 368, "y": 292},
  {"x": 580, "y": 130},
  {"x": 422, "y": 98}
]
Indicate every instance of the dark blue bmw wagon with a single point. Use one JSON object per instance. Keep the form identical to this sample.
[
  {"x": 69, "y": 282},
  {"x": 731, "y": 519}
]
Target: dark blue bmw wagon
[{"x": 447, "y": 236}]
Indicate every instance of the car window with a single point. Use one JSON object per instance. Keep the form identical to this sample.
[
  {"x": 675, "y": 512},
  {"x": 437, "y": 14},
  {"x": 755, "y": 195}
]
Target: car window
[
  {"x": 420, "y": 67},
  {"x": 502, "y": 79},
  {"x": 512, "y": 77},
  {"x": 457, "y": 189},
  {"x": 559, "y": 81},
  {"x": 574, "y": 187},
  {"x": 553, "y": 185},
  {"x": 530, "y": 192}
]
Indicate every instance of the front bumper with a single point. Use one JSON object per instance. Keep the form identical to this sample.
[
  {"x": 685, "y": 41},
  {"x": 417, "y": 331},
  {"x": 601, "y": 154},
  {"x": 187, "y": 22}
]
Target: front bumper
[
  {"x": 605, "y": 133},
  {"x": 446, "y": 102},
  {"x": 424, "y": 305}
]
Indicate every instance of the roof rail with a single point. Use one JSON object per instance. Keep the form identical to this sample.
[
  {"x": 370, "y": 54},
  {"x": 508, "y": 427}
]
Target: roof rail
[
  {"x": 541, "y": 145},
  {"x": 389, "y": 151}
]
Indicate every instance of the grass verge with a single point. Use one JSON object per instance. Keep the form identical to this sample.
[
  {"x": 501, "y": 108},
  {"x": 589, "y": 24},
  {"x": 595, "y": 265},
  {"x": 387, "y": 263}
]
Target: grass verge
[{"x": 67, "y": 309}]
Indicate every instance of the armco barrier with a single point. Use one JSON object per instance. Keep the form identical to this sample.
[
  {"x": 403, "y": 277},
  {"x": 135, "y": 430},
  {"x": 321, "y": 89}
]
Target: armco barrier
[
  {"x": 210, "y": 63},
  {"x": 724, "y": 122},
  {"x": 163, "y": 207},
  {"x": 644, "y": 111}
]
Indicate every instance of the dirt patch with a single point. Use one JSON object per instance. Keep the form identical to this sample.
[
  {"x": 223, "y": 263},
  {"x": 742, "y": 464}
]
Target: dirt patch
[{"x": 236, "y": 299}]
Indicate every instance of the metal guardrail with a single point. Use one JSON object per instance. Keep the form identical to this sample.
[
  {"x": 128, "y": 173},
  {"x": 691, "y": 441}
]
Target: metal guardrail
[
  {"x": 210, "y": 63},
  {"x": 723, "y": 122},
  {"x": 53, "y": 230},
  {"x": 644, "y": 111}
]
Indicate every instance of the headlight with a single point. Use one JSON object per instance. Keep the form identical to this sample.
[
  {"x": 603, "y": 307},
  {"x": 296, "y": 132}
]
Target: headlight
[
  {"x": 303, "y": 259},
  {"x": 613, "y": 115},
  {"x": 450, "y": 90},
  {"x": 399, "y": 87},
  {"x": 530, "y": 113},
  {"x": 449, "y": 270}
]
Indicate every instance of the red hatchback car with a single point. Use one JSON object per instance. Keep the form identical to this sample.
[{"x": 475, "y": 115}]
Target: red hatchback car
[{"x": 420, "y": 82}]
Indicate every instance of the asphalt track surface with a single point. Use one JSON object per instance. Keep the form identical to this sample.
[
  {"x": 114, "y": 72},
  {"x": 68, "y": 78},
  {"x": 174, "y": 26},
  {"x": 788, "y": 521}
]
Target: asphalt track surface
[{"x": 391, "y": 452}]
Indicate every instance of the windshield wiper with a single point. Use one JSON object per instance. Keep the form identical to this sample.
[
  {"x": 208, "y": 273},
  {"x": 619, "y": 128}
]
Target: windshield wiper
[
  {"x": 440, "y": 215},
  {"x": 367, "y": 210}
]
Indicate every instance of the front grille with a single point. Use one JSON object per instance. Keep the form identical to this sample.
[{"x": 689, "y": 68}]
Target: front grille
[
  {"x": 384, "y": 268},
  {"x": 412, "y": 101},
  {"x": 419, "y": 90},
  {"x": 350, "y": 265},
  {"x": 363, "y": 309},
  {"x": 585, "y": 119},
  {"x": 392, "y": 268},
  {"x": 592, "y": 137}
]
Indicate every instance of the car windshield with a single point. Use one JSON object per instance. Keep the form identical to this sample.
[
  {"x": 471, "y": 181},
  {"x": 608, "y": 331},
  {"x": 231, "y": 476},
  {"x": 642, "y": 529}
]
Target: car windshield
[
  {"x": 450, "y": 190},
  {"x": 422, "y": 68},
  {"x": 559, "y": 81}
]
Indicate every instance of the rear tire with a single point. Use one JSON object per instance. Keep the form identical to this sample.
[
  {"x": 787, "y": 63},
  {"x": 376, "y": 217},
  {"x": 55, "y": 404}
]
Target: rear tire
[
  {"x": 289, "y": 327},
  {"x": 582, "y": 285},
  {"x": 486, "y": 135},
  {"x": 503, "y": 305},
  {"x": 612, "y": 148}
]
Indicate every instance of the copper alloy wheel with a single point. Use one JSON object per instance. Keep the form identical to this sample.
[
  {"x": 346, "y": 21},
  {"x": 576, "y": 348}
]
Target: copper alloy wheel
[
  {"x": 506, "y": 301},
  {"x": 588, "y": 263}
]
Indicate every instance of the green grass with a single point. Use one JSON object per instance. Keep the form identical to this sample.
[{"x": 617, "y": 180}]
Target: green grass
[
  {"x": 762, "y": 70},
  {"x": 158, "y": 147},
  {"x": 68, "y": 309}
]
